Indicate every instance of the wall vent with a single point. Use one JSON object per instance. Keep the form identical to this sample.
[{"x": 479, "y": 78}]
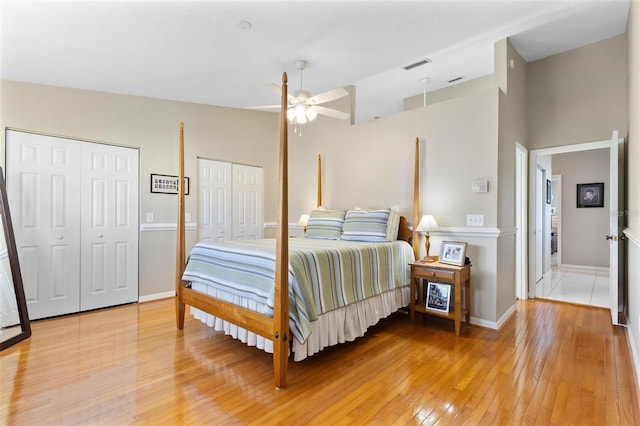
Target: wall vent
[
  {"x": 453, "y": 80},
  {"x": 417, "y": 64}
]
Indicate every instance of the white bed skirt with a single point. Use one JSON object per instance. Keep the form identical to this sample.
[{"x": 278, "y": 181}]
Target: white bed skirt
[{"x": 338, "y": 326}]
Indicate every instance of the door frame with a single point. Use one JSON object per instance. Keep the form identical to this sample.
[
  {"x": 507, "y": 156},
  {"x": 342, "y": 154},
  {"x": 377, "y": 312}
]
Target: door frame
[
  {"x": 557, "y": 202},
  {"x": 522, "y": 291},
  {"x": 612, "y": 144}
]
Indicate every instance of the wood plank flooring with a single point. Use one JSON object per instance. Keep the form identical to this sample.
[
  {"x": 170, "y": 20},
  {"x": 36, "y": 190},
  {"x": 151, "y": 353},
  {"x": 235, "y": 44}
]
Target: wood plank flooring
[{"x": 552, "y": 363}]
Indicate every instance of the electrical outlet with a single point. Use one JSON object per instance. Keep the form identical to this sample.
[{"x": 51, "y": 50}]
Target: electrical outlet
[
  {"x": 149, "y": 217},
  {"x": 187, "y": 217},
  {"x": 475, "y": 220}
]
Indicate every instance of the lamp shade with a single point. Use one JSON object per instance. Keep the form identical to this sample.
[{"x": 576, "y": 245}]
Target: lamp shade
[
  {"x": 304, "y": 219},
  {"x": 427, "y": 224}
]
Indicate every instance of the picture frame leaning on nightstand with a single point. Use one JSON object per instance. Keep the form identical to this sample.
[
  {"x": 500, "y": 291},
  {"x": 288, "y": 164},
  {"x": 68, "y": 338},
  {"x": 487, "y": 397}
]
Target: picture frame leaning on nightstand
[{"x": 438, "y": 297}]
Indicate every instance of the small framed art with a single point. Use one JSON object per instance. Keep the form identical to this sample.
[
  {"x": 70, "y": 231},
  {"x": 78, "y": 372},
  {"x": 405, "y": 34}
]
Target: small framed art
[
  {"x": 453, "y": 253},
  {"x": 590, "y": 195},
  {"x": 166, "y": 184},
  {"x": 548, "y": 191},
  {"x": 438, "y": 297}
]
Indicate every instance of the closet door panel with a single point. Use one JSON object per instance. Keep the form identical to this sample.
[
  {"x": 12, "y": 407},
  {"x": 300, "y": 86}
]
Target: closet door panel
[
  {"x": 43, "y": 183},
  {"x": 214, "y": 200},
  {"x": 247, "y": 202},
  {"x": 110, "y": 226}
]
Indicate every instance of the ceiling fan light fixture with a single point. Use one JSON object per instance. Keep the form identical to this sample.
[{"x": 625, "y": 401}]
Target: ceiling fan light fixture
[
  {"x": 311, "y": 113},
  {"x": 301, "y": 114}
]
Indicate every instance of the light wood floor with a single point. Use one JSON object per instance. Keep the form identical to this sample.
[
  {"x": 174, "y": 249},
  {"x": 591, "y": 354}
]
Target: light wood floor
[{"x": 551, "y": 364}]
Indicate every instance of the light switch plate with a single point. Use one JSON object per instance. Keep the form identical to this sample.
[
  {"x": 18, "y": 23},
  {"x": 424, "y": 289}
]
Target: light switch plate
[
  {"x": 150, "y": 217},
  {"x": 187, "y": 217},
  {"x": 475, "y": 220}
]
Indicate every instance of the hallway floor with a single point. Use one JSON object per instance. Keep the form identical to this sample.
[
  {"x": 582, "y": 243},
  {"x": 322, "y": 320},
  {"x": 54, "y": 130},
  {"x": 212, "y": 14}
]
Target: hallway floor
[{"x": 573, "y": 285}]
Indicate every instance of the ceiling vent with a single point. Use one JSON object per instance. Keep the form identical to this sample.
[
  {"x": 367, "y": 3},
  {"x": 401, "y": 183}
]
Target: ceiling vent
[
  {"x": 417, "y": 64},
  {"x": 453, "y": 80}
]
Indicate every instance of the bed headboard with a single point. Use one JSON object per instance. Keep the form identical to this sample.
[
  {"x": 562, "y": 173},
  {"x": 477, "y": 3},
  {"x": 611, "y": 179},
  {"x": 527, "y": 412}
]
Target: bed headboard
[{"x": 404, "y": 233}]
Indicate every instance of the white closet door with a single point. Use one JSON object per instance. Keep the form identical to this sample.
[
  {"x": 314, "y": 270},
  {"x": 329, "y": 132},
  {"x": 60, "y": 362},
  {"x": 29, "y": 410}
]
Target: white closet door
[
  {"x": 247, "y": 202},
  {"x": 109, "y": 226},
  {"x": 43, "y": 184},
  {"x": 215, "y": 200}
]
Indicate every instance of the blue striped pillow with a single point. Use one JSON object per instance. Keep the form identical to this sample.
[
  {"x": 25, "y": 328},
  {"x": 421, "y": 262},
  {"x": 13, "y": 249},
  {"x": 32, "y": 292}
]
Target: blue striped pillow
[
  {"x": 366, "y": 225},
  {"x": 325, "y": 224}
]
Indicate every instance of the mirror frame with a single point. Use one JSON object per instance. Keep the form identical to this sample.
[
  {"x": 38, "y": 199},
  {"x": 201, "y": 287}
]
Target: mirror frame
[{"x": 15, "y": 269}]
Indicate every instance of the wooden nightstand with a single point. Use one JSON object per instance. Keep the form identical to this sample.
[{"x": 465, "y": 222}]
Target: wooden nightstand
[{"x": 458, "y": 276}]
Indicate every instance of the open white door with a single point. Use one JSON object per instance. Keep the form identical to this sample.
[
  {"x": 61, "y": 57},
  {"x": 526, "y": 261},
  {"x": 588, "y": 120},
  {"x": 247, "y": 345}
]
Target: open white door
[{"x": 615, "y": 231}]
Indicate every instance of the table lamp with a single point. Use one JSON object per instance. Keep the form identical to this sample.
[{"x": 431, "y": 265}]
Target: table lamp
[{"x": 426, "y": 225}]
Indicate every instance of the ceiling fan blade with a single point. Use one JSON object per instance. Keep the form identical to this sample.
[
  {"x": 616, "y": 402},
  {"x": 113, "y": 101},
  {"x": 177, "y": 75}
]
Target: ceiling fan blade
[
  {"x": 333, "y": 113},
  {"x": 329, "y": 96},
  {"x": 263, "y": 107},
  {"x": 278, "y": 90}
]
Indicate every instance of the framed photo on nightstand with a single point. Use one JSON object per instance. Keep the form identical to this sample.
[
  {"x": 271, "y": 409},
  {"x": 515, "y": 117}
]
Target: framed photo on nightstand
[
  {"x": 438, "y": 297},
  {"x": 453, "y": 253}
]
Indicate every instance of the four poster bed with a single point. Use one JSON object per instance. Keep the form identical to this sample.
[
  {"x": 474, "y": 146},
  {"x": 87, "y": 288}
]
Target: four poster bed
[{"x": 304, "y": 294}]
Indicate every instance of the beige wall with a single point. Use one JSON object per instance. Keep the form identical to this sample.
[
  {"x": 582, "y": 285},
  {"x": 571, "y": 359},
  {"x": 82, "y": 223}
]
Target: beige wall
[
  {"x": 511, "y": 74},
  {"x": 455, "y": 90},
  {"x": 152, "y": 126},
  {"x": 371, "y": 165},
  {"x": 578, "y": 96},
  {"x": 583, "y": 229}
]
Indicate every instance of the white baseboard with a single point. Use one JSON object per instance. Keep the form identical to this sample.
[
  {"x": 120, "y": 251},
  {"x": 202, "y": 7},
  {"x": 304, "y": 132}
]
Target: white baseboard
[
  {"x": 156, "y": 296},
  {"x": 495, "y": 325},
  {"x": 484, "y": 323}
]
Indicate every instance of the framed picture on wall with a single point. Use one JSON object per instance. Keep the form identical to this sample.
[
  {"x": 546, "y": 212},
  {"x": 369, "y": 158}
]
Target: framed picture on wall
[
  {"x": 548, "y": 191},
  {"x": 590, "y": 195},
  {"x": 165, "y": 184}
]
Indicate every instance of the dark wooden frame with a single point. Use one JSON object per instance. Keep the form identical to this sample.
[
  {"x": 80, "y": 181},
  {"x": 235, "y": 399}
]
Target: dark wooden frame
[
  {"x": 12, "y": 253},
  {"x": 581, "y": 190}
]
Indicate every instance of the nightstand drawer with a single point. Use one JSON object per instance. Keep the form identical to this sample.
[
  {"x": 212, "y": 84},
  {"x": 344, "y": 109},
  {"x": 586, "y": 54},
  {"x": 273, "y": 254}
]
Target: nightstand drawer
[{"x": 445, "y": 275}]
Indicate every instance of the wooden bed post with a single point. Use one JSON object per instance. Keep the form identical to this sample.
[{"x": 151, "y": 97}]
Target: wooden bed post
[
  {"x": 281, "y": 297},
  {"x": 180, "y": 230},
  {"x": 415, "y": 239},
  {"x": 319, "y": 190}
]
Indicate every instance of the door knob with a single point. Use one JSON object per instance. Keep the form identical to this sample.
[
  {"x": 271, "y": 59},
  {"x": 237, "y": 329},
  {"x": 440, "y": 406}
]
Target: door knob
[
  {"x": 100, "y": 235},
  {"x": 59, "y": 237},
  {"x": 612, "y": 237}
]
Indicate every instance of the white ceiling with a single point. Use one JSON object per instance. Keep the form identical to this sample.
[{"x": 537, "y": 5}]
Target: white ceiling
[{"x": 195, "y": 51}]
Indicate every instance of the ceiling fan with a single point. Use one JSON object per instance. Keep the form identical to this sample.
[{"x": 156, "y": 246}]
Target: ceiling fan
[{"x": 302, "y": 107}]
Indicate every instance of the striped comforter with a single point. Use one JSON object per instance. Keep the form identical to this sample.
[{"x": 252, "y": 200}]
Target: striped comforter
[{"x": 323, "y": 274}]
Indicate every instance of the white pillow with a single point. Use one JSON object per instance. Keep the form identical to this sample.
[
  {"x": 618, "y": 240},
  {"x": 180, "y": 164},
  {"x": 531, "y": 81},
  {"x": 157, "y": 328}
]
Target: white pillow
[{"x": 393, "y": 223}]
